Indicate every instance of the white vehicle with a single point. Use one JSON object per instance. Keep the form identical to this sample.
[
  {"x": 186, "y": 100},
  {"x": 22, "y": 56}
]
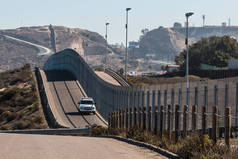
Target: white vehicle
[{"x": 87, "y": 105}]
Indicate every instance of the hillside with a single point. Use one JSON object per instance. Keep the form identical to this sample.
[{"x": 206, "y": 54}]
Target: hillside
[
  {"x": 19, "y": 101},
  {"x": 161, "y": 41},
  {"x": 167, "y": 42},
  {"x": 15, "y": 53}
]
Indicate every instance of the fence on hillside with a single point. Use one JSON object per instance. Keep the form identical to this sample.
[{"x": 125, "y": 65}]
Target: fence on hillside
[
  {"x": 110, "y": 98},
  {"x": 216, "y": 124}
]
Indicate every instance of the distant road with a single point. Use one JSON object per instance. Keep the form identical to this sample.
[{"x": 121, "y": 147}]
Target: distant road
[
  {"x": 163, "y": 62},
  {"x": 16, "y": 146},
  {"x": 42, "y": 50},
  {"x": 106, "y": 77}
]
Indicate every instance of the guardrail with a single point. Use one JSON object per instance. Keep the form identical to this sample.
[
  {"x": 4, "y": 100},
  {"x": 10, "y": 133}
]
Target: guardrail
[
  {"x": 117, "y": 77},
  {"x": 61, "y": 131}
]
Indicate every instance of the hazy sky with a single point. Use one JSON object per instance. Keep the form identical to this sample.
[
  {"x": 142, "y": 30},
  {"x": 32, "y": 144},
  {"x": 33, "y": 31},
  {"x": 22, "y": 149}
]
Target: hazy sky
[{"x": 93, "y": 14}]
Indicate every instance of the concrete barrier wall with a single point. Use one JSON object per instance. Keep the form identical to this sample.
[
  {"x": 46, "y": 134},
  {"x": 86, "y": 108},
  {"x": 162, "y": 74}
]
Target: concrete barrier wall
[
  {"x": 46, "y": 103},
  {"x": 110, "y": 97}
]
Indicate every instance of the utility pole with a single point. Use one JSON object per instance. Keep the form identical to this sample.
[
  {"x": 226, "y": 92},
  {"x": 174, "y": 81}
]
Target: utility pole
[
  {"x": 106, "y": 62},
  {"x": 187, "y": 65},
  {"x": 203, "y": 18},
  {"x": 127, "y": 9}
]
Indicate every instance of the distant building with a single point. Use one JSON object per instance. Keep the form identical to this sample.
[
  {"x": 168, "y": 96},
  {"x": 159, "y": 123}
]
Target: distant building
[
  {"x": 170, "y": 68},
  {"x": 117, "y": 46},
  {"x": 223, "y": 24},
  {"x": 150, "y": 55},
  {"x": 133, "y": 44},
  {"x": 232, "y": 64}
]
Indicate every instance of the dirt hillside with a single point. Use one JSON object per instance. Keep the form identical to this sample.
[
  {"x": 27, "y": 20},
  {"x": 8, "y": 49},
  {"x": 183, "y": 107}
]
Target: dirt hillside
[{"x": 19, "y": 101}]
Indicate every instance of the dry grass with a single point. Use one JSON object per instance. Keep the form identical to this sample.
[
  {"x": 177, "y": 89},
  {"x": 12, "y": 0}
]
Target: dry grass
[
  {"x": 192, "y": 147},
  {"x": 19, "y": 102},
  {"x": 146, "y": 80}
]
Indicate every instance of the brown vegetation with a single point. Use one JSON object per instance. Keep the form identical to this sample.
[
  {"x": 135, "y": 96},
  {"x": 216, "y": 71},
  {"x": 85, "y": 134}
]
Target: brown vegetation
[
  {"x": 188, "y": 148},
  {"x": 19, "y": 102},
  {"x": 146, "y": 80}
]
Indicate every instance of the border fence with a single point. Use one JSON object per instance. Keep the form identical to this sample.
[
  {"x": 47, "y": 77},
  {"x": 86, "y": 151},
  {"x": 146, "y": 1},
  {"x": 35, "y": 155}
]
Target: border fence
[
  {"x": 179, "y": 123},
  {"x": 205, "y": 94}
]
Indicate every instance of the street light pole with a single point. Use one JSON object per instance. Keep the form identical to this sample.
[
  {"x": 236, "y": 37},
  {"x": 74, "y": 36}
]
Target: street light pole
[
  {"x": 106, "y": 45},
  {"x": 187, "y": 64},
  {"x": 126, "y": 58}
]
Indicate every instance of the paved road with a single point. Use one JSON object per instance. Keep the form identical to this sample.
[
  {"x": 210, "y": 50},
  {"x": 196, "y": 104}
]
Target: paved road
[
  {"x": 16, "y": 146},
  {"x": 66, "y": 93},
  {"x": 42, "y": 50},
  {"x": 106, "y": 77}
]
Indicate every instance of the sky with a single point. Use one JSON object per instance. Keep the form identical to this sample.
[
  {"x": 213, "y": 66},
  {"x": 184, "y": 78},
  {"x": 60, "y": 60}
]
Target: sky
[{"x": 93, "y": 14}]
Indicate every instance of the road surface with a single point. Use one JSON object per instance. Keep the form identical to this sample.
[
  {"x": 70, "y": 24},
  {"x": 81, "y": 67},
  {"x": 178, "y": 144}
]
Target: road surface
[
  {"x": 42, "y": 50},
  {"x": 16, "y": 146},
  {"x": 66, "y": 93},
  {"x": 106, "y": 77}
]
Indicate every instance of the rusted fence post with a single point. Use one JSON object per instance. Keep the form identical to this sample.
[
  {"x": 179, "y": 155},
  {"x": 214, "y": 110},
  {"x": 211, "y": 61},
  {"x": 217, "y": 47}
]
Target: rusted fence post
[
  {"x": 130, "y": 117},
  {"x": 204, "y": 120},
  {"x": 113, "y": 120},
  {"x": 144, "y": 118},
  {"x": 214, "y": 124},
  {"x": 227, "y": 125},
  {"x": 109, "y": 120},
  {"x": 169, "y": 121},
  {"x": 155, "y": 119},
  {"x": 149, "y": 118},
  {"x": 122, "y": 119},
  {"x": 126, "y": 118},
  {"x": 139, "y": 117},
  {"x": 161, "y": 121},
  {"x": 185, "y": 118},
  {"x": 135, "y": 115},
  {"x": 116, "y": 119},
  {"x": 176, "y": 124},
  {"x": 194, "y": 118}
]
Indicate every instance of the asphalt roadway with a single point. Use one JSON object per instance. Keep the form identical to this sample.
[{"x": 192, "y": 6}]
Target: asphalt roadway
[
  {"x": 66, "y": 93},
  {"x": 16, "y": 146}
]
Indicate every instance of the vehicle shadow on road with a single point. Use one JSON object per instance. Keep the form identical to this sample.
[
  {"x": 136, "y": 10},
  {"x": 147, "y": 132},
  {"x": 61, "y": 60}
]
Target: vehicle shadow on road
[
  {"x": 77, "y": 113},
  {"x": 73, "y": 113}
]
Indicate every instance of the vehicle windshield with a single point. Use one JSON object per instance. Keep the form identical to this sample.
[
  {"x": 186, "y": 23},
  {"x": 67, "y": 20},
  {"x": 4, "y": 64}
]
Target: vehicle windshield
[{"x": 86, "y": 102}]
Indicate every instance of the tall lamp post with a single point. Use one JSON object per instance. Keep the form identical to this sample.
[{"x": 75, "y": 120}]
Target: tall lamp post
[
  {"x": 127, "y": 9},
  {"x": 106, "y": 62},
  {"x": 187, "y": 65}
]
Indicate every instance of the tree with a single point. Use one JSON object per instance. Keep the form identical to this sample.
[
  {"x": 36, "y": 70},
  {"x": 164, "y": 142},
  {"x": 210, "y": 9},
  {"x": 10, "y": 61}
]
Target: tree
[
  {"x": 121, "y": 71},
  {"x": 215, "y": 51},
  {"x": 177, "y": 25},
  {"x": 144, "y": 31}
]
